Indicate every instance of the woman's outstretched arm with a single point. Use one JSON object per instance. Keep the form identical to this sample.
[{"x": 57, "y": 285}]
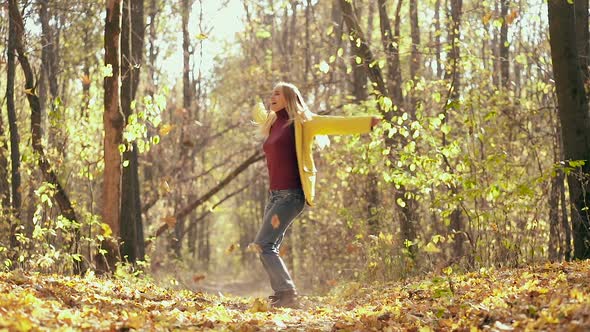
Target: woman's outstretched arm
[{"x": 340, "y": 125}]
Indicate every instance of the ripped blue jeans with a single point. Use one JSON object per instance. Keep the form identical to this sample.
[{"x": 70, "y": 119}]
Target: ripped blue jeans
[{"x": 282, "y": 207}]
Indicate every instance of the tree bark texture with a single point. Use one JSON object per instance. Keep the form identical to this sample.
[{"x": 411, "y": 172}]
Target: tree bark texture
[
  {"x": 504, "y": 46},
  {"x": 582, "y": 37},
  {"x": 573, "y": 116},
  {"x": 416, "y": 60},
  {"x": 15, "y": 197},
  {"x": 114, "y": 122},
  {"x": 437, "y": 43},
  {"x": 133, "y": 31},
  {"x": 452, "y": 72}
]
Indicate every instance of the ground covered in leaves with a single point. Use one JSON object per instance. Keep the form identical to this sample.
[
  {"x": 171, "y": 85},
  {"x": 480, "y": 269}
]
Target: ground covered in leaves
[{"x": 552, "y": 297}]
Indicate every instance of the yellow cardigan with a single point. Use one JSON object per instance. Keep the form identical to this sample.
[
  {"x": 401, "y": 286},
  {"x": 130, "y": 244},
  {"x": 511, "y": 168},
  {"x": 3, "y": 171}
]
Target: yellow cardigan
[{"x": 304, "y": 135}]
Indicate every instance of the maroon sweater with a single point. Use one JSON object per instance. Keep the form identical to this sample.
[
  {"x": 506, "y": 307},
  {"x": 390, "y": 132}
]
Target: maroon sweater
[{"x": 281, "y": 158}]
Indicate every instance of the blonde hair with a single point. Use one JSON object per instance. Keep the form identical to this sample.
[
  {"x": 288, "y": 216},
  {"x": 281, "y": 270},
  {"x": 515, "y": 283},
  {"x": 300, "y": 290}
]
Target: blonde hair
[{"x": 296, "y": 109}]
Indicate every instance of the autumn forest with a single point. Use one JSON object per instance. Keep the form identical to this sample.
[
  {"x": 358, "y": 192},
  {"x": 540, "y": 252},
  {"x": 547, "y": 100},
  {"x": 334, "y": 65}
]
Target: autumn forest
[{"x": 130, "y": 159}]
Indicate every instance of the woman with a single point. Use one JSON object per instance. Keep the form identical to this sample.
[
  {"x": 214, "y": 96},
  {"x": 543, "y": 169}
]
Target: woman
[{"x": 289, "y": 130}]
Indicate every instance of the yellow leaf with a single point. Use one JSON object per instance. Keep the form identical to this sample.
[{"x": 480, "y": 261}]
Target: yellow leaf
[
  {"x": 487, "y": 17},
  {"x": 106, "y": 230},
  {"x": 30, "y": 91},
  {"x": 166, "y": 129},
  {"x": 431, "y": 248},
  {"x": 259, "y": 305}
]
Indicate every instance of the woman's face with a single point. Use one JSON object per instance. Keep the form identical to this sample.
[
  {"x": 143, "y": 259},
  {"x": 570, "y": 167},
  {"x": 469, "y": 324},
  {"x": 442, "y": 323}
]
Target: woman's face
[{"x": 277, "y": 100}]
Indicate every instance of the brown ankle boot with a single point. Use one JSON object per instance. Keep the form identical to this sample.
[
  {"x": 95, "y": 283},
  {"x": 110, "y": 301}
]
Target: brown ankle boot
[{"x": 285, "y": 299}]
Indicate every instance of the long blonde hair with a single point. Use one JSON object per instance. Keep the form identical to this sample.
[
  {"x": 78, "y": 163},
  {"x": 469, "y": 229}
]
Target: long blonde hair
[{"x": 296, "y": 109}]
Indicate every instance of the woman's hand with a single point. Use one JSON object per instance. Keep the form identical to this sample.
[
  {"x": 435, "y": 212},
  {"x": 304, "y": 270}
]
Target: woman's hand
[{"x": 374, "y": 122}]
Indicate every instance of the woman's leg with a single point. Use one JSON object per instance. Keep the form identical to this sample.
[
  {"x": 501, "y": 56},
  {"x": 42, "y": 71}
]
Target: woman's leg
[{"x": 281, "y": 210}]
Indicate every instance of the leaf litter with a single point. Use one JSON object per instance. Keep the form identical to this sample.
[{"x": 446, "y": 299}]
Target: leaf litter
[{"x": 551, "y": 297}]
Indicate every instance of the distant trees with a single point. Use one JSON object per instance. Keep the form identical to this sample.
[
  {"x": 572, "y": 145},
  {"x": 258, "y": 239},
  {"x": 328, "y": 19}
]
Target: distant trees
[{"x": 465, "y": 155}]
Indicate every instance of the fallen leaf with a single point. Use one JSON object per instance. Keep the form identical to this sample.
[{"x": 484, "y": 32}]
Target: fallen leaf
[
  {"x": 259, "y": 305},
  {"x": 503, "y": 327}
]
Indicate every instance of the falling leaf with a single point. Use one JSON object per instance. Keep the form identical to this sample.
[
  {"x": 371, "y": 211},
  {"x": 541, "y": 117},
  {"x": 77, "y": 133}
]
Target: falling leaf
[
  {"x": 170, "y": 221},
  {"x": 231, "y": 248},
  {"x": 181, "y": 112},
  {"x": 275, "y": 222},
  {"x": 331, "y": 282},
  {"x": 85, "y": 79},
  {"x": 284, "y": 250},
  {"x": 166, "y": 129},
  {"x": 486, "y": 18},
  {"x": 198, "y": 277},
  {"x": 202, "y": 36},
  {"x": 511, "y": 17},
  {"x": 30, "y": 91}
]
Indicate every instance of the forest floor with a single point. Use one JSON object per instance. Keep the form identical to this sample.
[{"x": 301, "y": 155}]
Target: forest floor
[{"x": 550, "y": 297}]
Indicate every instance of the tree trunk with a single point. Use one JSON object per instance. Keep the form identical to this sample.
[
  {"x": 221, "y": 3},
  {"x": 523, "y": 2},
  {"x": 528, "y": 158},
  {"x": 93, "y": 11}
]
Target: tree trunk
[
  {"x": 114, "y": 122},
  {"x": 370, "y": 24},
  {"x": 48, "y": 51},
  {"x": 360, "y": 93},
  {"x": 307, "y": 65},
  {"x": 566, "y": 245},
  {"x": 132, "y": 246},
  {"x": 86, "y": 81},
  {"x": 504, "y": 46},
  {"x": 390, "y": 45},
  {"x": 408, "y": 210},
  {"x": 582, "y": 37},
  {"x": 554, "y": 234},
  {"x": 573, "y": 115},
  {"x": 60, "y": 196},
  {"x": 452, "y": 72},
  {"x": 437, "y": 33},
  {"x": 13, "y": 127},
  {"x": 416, "y": 60},
  {"x": 363, "y": 50},
  {"x": 359, "y": 76}
]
